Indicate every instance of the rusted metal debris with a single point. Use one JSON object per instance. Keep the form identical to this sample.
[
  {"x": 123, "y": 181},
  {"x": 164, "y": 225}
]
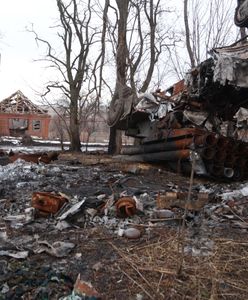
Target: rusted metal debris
[
  {"x": 169, "y": 200},
  {"x": 39, "y": 157},
  {"x": 34, "y": 157},
  {"x": 202, "y": 118},
  {"x": 126, "y": 207},
  {"x": 85, "y": 290},
  {"x": 48, "y": 203}
]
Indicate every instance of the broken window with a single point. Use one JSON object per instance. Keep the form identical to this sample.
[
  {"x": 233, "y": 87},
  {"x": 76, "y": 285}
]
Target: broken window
[
  {"x": 20, "y": 124},
  {"x": 36, "y": 125}
]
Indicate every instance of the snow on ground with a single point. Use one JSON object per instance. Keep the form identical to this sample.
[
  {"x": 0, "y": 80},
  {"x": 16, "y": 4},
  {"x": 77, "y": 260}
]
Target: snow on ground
[{"x": 14, "y": 143}]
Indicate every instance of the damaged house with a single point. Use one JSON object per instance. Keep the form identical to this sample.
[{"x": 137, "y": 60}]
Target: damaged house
[
  {"x": 200, "y": 121},
  {"x": 19, "y": 116}
]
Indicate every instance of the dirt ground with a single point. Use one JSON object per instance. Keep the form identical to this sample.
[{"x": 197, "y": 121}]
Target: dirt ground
[{"x": 205, "y": 258}]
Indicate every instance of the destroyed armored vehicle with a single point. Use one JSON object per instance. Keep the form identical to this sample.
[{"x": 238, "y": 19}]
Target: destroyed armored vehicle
[{"x": 201, "y": 120}]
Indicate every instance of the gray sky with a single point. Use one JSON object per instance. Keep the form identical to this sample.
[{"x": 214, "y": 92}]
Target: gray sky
[{"x": 18, "y": 48}]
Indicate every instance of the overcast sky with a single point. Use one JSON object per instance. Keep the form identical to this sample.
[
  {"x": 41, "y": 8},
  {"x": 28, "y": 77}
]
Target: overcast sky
[{"x": 18, "y": 48}]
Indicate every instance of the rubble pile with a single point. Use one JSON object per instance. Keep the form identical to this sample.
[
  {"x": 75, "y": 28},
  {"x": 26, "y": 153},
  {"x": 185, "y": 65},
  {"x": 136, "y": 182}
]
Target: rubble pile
[{"x": 57, "y": 232}]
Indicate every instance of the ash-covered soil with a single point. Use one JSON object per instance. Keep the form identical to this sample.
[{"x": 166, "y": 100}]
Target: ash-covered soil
[{"x": 204, "y": 258}]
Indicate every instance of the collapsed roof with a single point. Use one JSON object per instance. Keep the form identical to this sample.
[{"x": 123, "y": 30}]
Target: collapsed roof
[{"x": 18, "y": 103}]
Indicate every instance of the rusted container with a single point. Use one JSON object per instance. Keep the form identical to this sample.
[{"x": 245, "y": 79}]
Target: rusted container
[
  {"x": 48, "y": 202},
  {"x": 126, "y": 207}
]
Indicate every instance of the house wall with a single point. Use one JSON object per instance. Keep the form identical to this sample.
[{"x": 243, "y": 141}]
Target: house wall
[{"x": 42, "y": 132}]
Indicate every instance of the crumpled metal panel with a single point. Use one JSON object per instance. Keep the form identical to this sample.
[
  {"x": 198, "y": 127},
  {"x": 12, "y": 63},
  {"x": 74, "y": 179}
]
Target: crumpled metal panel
[{"x": 231, "y": 64}]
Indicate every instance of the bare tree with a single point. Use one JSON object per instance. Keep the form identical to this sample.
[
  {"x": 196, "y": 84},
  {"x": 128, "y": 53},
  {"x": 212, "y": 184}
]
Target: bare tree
[
  {"x": 146, "y": 41},
  {"x": 207, "y": 25},
  {"x": 187, "y": 34},
  {"x": 58, "y": 130},
  {"x": 77, "y": 33},
  {"x": 88, "y": 114},
  {"x": 137, "y": 51}
]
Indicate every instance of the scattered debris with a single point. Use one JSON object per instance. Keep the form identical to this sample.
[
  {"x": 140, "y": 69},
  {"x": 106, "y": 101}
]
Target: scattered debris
[
  {"x": 4, "y": 288},
  {"x": 132, "y": 233},
  {"x": 58, "y": 248},
  {"x": 72, "y": 210},
  {"x": 14, "y": 254},
  {"x": 175, "y": 199},
  {"x": 22, "y": 219},
  {"x": 49, "y": 203},
  {"x": 34, "y": 157},
  {"x": 84, "y": 290},
  {"x": 163, "y": 214},
  {"x": 126, "y": 207},
  {"x": 139, "y": 215}
]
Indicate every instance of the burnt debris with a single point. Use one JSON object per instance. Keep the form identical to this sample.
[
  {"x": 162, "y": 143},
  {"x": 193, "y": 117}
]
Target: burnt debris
[{"x": 202, "y": 118}]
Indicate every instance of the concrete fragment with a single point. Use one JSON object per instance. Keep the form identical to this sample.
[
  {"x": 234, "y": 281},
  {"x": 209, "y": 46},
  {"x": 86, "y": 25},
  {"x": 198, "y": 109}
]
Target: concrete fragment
[
  {"x": 132, "y": 233},
  {"x": 57, "y": 249},
  {"x": 164, "y": 213},
  {"x": 14, "y": 254}
]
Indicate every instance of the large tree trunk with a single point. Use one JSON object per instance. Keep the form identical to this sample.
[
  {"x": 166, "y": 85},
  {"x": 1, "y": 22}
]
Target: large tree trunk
[
  {"x": 115, "y": 141},
  {"x": 121, "y": 56},
  {"x": 74, "y": 127},
  {"x": 114, "y": 146}
]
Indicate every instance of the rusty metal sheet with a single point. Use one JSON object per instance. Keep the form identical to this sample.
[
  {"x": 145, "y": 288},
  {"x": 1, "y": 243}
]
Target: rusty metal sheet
[
  {"x": 34, "y": 157},
  {"x": 48, "y": 202},
  {"x": 85, "y": 290}
]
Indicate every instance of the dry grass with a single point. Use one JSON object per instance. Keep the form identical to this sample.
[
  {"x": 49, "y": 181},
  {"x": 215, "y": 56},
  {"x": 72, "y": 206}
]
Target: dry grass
[{"x": 152, "y": 270}]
